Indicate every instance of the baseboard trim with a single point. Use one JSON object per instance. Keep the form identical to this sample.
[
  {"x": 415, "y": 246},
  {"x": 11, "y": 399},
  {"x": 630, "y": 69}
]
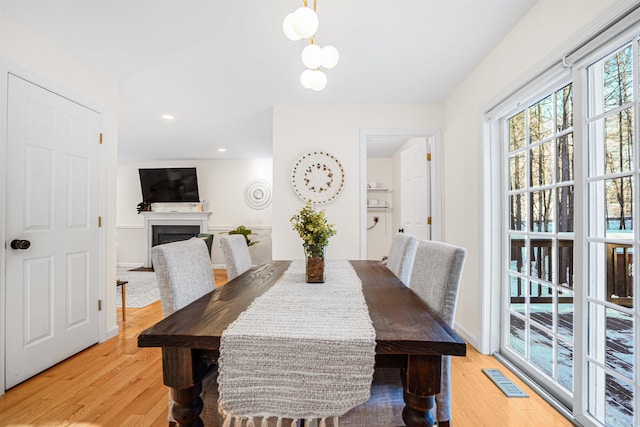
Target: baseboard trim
[
  {"x": 468, "y": 337},
  {"x": 113, "y": 332}
]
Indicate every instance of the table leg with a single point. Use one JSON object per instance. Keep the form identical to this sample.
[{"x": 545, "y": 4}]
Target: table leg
[
  {"x": 183, "y": 373},
  {"x": 421, "y": 379},
  {"x": 124, "y": 302}
]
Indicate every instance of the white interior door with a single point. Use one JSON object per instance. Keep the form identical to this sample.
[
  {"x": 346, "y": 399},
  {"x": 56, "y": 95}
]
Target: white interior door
[
  {"x": 416, "y": 190},
  {"x": 52, "y": 202}
]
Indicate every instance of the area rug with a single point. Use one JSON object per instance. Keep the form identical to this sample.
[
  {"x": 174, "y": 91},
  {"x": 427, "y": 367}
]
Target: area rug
[{"x": 142, "y": 288}]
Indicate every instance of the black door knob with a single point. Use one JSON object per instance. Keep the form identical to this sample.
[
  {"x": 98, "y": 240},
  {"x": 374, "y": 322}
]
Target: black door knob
[{"x": 20, "y": 244}]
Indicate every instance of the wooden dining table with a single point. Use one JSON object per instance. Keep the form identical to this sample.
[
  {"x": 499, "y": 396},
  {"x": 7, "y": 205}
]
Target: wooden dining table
[{"x": 409, "y": 335}]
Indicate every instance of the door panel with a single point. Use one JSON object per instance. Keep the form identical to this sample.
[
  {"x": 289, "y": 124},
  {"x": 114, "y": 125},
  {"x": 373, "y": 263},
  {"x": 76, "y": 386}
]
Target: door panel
[
  {"x": 52, "y": 201},
  {"x": 37, "y": 302},
  {"x": 78, "y": 289}
]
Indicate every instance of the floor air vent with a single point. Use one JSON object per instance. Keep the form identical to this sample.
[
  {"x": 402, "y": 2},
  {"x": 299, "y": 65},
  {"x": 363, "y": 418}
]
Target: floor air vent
[{"x": 504, "y": 383}]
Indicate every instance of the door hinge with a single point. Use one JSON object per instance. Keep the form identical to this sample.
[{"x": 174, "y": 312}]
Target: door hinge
[
  {"x": 429, "y": 220},
  {"x": 101, "y": 138},
  {"x": 428, "y": 157},
  {"x": 99, "y": 221},
  {"x": 99, "y": 305}
]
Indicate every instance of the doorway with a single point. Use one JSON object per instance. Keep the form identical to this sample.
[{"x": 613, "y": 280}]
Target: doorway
[{"x": 381, "y": 186}]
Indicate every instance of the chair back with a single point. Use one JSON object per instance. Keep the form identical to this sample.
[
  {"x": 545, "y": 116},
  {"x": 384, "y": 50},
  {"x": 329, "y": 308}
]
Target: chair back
[
  {"x": 236, "y": 254},
  {"x": 435, "y": 276},
  {"x": 183, "y": 271},
  {"x": 401, "y": 255}
]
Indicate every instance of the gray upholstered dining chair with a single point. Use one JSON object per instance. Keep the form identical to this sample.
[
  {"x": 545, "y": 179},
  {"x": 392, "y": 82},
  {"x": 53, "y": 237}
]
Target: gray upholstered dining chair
[
  {"x": 236, "y": 254},
  {"x": 401, "y": 255},
  {"x": 184, "y": 274},
  {"x": 435, "y": 277}
]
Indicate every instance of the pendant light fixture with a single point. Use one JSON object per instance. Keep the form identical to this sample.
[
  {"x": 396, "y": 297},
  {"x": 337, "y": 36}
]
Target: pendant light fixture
[{"x": 303, "y": 24}]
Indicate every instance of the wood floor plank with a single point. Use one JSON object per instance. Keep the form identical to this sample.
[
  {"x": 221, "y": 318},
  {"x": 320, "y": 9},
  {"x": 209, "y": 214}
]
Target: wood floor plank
[{"x": 117, "y": 384}]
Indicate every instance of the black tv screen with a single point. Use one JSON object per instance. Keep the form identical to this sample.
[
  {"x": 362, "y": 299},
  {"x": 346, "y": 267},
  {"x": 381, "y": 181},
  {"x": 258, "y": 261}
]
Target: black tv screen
[{"x": 169, "y": 185}]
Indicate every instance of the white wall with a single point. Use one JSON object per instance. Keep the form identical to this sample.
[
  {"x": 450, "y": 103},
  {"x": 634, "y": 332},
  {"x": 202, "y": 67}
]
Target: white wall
[
  {"x": 27, "y": 54},
  {"x": 543, "y": 35},
  {"x": 379, "y": 237},
  {"x": 334, "y": 129},
  {"x": 220, "y": 182}
]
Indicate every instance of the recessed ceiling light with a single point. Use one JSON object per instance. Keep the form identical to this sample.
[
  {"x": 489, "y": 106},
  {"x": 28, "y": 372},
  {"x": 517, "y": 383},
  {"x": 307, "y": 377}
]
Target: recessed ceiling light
[
  {"x": 222, "y": 150},
  {"x": 168, "y": 117}
]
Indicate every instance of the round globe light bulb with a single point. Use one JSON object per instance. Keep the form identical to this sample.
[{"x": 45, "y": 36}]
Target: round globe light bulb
[
  {"x": 306, "y": 78},
  {"x": 304, "y": 22},
  {"x": 312, "y": 56},
  {"x": 318, "y": 80},
  {"x": 330, "y": 57},
  {"x": 287, "y": 28}
]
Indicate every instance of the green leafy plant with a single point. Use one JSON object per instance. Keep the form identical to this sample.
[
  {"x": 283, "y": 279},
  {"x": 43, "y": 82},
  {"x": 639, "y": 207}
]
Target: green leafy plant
[
  {"x": 143, "y": 207},
  {"x": 313, "y": 228},
  {"x": 246, "y": 232}
]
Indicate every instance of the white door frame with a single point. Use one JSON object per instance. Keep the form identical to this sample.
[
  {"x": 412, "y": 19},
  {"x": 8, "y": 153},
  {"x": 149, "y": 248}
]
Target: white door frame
[
  {"x": 7, "y": 68},
  {"x": 436, "y": 177}
]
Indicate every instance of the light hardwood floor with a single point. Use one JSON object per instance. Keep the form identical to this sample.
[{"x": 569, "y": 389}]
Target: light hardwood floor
[{"x": 118, "y": 384}]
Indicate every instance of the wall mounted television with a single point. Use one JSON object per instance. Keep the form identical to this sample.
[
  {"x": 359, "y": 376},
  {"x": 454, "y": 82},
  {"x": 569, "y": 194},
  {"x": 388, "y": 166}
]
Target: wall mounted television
[{"x": 169, "y": 185}]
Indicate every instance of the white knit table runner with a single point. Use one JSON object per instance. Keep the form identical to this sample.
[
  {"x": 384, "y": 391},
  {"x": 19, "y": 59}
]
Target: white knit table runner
[{"x": 301, "y": 350}]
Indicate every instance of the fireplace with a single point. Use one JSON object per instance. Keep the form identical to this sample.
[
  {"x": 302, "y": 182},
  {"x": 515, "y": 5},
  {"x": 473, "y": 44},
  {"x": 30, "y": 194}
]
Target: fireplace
[
  {"x": 166, "y": 227},
  {"x": 162, "y": 234}
]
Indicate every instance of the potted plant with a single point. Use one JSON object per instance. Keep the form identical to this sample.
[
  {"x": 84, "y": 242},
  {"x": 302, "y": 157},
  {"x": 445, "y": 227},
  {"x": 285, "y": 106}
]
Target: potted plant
[
  {"x": 246, "y": 232},
  {"x": 315, "y": 231}
]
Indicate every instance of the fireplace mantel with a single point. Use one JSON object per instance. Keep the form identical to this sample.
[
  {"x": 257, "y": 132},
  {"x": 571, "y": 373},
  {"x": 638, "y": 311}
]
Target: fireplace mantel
[{"x": 171, "y": 218}]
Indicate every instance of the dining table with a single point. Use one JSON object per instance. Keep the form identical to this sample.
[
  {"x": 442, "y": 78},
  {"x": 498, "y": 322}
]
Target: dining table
[{"x": 408, "y": 335}]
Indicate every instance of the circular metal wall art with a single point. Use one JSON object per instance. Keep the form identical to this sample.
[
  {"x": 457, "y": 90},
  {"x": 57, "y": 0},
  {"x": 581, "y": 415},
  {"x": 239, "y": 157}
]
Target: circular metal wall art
[
  {"x": 257, "y": 194},
  {"x": 317, "y": 176}
]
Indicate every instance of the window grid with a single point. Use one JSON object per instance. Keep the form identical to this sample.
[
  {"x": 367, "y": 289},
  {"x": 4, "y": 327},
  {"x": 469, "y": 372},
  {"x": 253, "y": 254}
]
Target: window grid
[
  {"x": 534, "y": 330},
  {"x": 612, "y": 318}
]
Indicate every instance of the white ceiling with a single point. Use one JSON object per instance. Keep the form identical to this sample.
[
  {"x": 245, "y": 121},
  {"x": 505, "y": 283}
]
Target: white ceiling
[{"x": 219, "y": 66}]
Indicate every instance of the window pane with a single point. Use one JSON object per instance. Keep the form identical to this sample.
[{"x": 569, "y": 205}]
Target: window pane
[
  {"x": 565, "y": 209},
  {"x": 618, "y": 79},
  {"x": 518, "y": 288},
  {"x": 565, "y": 365},
  {"x": 518, "y": 251},
  {"x": 564, "y": 107},
  {"x": 597, "y": 277},
  {"x": 516, "y": 334},
  {"x": 518, "y": 204},
  {"x": 565, "y": 314},
  {"x": 619, "y": 342},
  {"x": 541, "y": 259},
  {"x": 541, "y": 305},
  {"x": 618, "y": 195},
  {"x": 541, "y": 211},
  {"x": 619, "y": 403},
  {"x": 542, "y": 164},
  {"x": 618, "y": 143},
  {"x": 541, "y": 119},
  {"x": 611, "y": 339},
  {"x": 565, "y": 263},
  {"x": 564, "y": 145},
  {"x": 516, "y": 131},
  {"x": 610, "y": 399},
  {"x": 541, "y": 350},
  {"x": 620, "y": 274},
  {"x": 517, "y": 171}
]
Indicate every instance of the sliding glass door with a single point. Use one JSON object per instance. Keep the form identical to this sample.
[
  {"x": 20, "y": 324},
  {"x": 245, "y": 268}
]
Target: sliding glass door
[
  {"x": 538, "y": 319},
  {"x": 576, "y": 334},
  {"x": 612, "y": 177}
]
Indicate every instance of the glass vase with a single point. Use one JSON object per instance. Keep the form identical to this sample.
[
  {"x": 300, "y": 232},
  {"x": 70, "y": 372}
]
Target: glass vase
[{"x": 314, "y": 265}]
